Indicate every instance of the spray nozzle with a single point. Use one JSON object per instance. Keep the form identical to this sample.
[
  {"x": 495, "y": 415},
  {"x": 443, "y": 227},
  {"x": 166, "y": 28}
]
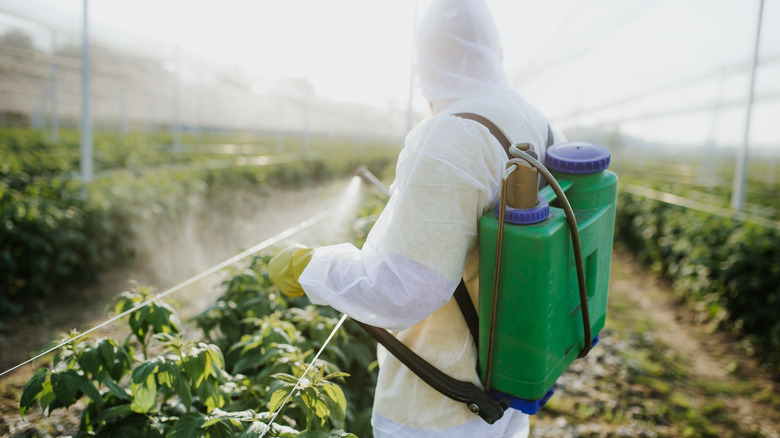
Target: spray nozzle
[{"x": 366, "y": 174}]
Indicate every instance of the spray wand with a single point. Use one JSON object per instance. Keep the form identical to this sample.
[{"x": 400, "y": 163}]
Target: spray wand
[{"x": 366, "y": 174}]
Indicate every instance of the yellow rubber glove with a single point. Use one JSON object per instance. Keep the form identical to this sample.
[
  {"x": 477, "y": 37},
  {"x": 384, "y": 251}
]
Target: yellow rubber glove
[{"x": 287, "y": 266}]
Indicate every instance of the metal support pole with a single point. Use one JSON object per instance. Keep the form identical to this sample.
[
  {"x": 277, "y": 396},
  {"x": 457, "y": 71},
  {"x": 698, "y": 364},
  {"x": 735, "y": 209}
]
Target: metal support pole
[
  {"x": 738, "y": 191},
  {"x": 86, "y": 122}
]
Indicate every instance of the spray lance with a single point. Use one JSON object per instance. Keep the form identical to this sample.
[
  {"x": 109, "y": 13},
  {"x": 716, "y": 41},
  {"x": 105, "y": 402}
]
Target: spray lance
[
  {"x": 544, "y": 267},
  {"x": 366, "y": 174}
]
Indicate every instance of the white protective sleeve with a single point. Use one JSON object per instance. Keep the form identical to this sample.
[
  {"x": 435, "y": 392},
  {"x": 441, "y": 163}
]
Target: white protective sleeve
[{"x": 446, "y": 178}]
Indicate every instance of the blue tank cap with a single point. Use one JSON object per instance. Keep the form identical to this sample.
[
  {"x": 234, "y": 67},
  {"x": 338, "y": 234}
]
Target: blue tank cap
[
  {"x": 527, "y": 215},
  {"x": 577, "y": 157}
]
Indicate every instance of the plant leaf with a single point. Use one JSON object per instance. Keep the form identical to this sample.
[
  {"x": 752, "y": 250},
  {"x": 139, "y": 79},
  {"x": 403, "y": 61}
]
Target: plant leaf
[
  {"x": 90, "y": 363},
  {"x": 32, "y": 389},
  {"x": 278, "y": 397},
  {"x": 114, "y": 411},
  {"x": 313, "y": 434},
  {"x": 313, "y": 401},
  {"x": 144, "y": 395},
  {"x": 335, "y": 393},
  {"x": 65, "y": 386},
  {"x": 255, "y": 430},
  {"x": 115, "y": 389},
  {"x": 285, "y": 378},
  {"x": 320, "y": 434},
  {"x": 188, "y": 426},
  {"x": 47, "y": 396},
  {"x": 142, "y": 371},
  {"x": 338, "y": 375},
  {"x": 217, "y": 360},
  {"x": 88, "y": 388},
  {"x": 182, "y": 389},
  {"x": 195, "y": 366},
  {"x": 210, "y": 394}
]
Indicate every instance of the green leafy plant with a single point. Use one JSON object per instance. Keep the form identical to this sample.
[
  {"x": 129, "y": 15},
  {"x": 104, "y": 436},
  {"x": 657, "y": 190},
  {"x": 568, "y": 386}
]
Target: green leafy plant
[
  {"x": 253, "y": 343},
  {"x": 78, "y": 370},
  {"x": 156, "y": 383},
  {"x": 728, "y": 270},
  {"x": 152, "y": 318},
  {"x": 315, "y": 394},
  {"x": 265, "y": 334},
  {"x": 59, "y": 233}
]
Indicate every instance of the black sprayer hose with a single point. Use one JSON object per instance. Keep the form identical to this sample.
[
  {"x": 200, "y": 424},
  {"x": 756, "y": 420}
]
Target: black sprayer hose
[{"x": 575, "y": 240}]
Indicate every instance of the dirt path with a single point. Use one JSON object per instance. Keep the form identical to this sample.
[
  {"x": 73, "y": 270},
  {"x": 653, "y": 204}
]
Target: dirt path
[
  {"x": 673, "y": 323},
  {"x": 712, "y": 356}
]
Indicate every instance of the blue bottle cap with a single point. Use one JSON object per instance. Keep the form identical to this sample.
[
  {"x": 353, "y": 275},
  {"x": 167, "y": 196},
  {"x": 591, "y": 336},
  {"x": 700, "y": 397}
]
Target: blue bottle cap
[
  {"x": 525, "y": 216},
  {"x": 577, "y": 158}
]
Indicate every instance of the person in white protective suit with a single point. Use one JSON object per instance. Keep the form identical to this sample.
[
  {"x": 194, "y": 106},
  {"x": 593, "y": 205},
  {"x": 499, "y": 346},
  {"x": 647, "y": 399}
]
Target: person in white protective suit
[{"x": 425, "y": 240}]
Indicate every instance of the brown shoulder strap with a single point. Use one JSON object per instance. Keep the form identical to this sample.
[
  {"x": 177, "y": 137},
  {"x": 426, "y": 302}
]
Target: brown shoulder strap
[
  {"x": 477, "y": 400},
  {"x": 468, "y": 311},
  {"x": 505, "y": 143},
  {"x": 491, "y": 127}
]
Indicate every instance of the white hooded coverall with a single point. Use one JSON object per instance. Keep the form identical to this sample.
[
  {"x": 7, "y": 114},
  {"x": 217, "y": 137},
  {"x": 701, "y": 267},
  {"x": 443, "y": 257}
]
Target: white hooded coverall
[{"x": 447, "y": 177}]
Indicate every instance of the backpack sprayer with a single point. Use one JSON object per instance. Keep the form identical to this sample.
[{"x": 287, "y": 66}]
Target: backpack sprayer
[
  {"x": 544, "y": 271},
  {"x": 544, "y": 268}
]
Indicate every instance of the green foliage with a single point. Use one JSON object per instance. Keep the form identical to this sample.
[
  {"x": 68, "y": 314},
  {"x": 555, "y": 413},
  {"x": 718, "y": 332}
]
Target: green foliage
[
  {"x": 729, "y": 270},
  {"x": 58, "y": 233},
  {"x": 156, "y": 382},
  {"x": 76, "y": 371},
  {"x": 52, "y": 235},
  {"x": 191, "y": 389},
  {"x": 264, "y": 334},
  {"x": 153, "y": 318}
]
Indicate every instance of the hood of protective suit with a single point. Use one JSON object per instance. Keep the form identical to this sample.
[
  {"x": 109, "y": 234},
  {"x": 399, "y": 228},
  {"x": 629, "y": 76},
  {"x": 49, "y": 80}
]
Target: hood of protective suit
[{"x": 458, "y": 51}]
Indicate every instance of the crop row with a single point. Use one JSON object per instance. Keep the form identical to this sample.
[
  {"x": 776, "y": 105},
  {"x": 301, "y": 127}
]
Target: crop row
[
  {"x": 728, "y": 270},
  {"x": 57, "y": 232},
  {"x": 253, "y": 348}
]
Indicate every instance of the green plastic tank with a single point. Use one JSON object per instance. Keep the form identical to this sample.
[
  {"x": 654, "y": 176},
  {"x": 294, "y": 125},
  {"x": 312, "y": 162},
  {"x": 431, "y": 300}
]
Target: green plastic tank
[{"x": 538, "y": 325}]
